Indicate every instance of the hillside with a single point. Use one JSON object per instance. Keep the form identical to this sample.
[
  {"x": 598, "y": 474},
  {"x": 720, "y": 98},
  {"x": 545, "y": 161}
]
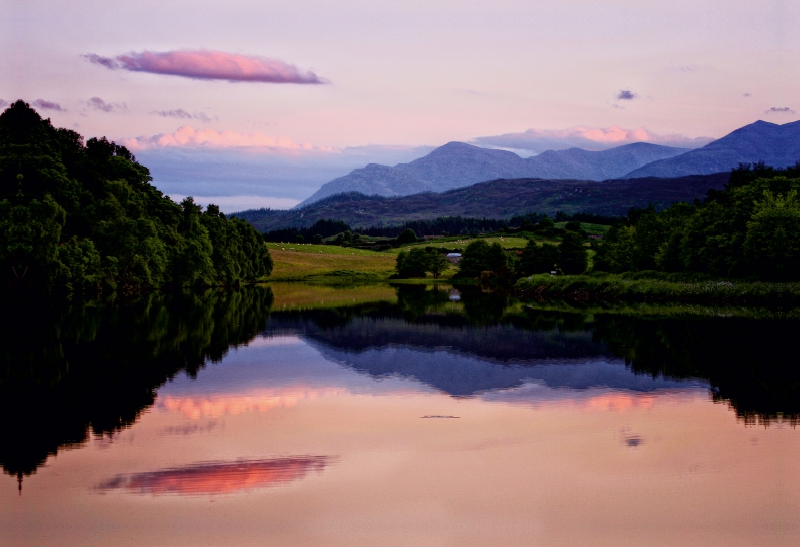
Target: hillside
[
  {"x": 777, "y": 145},
  {"x": 457, "y": 164},
  {"x": 501, "y": 198}
]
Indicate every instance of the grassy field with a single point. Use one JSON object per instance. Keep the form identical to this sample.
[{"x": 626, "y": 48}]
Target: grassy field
[
  {"x": 304, "y": 296},
  {"x": 453, "y": 243},
  {"x": 306, "y": 262}
]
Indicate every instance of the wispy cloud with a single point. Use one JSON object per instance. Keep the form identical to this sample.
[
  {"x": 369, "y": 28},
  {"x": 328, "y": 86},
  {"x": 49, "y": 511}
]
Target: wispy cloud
[
  {"x": 626, "y": 95},
  {"x": 589, "y": 138},
  {"x": 182, "y": 114},
  {"x": 209, "y": 65},
  {"x": 96, "y": 103},
  {"x": 189, "y": 137},
  {"x": 3, "y": 103},
  {"x": 780, "y": 110},
  {"x": 48, "y": 105}
]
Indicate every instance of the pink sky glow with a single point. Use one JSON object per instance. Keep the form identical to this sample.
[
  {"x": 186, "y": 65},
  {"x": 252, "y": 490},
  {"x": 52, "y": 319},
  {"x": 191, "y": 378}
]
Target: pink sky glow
[
  {"x": 187, "y": 136},
  {"x": 514, "y": 74}
]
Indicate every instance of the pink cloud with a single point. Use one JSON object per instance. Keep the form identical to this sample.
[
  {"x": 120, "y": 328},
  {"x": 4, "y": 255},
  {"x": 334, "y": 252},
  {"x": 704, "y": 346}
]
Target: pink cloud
[
  {"x": 208, "y": 65},
  {"x": 189, "y": 137}
]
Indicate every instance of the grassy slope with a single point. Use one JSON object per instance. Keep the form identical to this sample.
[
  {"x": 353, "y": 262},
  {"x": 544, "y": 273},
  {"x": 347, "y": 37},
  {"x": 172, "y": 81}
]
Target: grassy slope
[
  {"x": 501, "y": 199},
  {"x": 458, "y": 243}
]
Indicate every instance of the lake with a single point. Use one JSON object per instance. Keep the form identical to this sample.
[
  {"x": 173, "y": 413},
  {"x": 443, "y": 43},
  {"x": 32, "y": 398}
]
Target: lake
[{"x": 401, "y": 415}]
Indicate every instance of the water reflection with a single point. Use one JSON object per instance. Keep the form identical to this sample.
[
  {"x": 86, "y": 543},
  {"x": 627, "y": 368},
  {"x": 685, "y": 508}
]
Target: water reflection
[
  {"x": 217, "y": 477},
  {"x": 70, "y": 370}
]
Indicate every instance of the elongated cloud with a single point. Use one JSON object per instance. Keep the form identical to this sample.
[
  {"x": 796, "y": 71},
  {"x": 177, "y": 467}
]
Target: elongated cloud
[
  {"x": 589, "y": 138},
  {"x": 217, "y": 477},
  {"x": 3, "y": 103},
  {"x": 180, "y": 113},
  {"x": 189, "y": 137},
  {"x": 208, "y": 65},
  {"x": 626, "y": 95},
  {"x": 96, "y": 103},
  {"x": 48, "y": 105},
  {"x": 779, "y": 110}
]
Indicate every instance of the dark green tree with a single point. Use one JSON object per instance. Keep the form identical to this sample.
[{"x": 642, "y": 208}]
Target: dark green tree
[
  {"x": 537, "y": 259},
  {"x": 572, "y": 258},
  {"x": 437, "y": 262},
  {"x": 408, "y": 236},
  {"x": 413, "y": 263},
  {"x": 479, "y": 257}
]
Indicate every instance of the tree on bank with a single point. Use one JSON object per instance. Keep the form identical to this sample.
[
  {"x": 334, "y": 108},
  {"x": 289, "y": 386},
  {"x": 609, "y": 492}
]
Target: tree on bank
[
  {"x": 418, "y": 261},
  {"x": 85, "y": 215},
  {"x": 572, "y": 258},
  {"x": 537, "y": 259},
  {"x": 480, "y": 257}
]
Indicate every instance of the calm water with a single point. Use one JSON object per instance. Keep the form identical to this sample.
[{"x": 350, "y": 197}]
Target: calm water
[{"x": 297, "y": 415}]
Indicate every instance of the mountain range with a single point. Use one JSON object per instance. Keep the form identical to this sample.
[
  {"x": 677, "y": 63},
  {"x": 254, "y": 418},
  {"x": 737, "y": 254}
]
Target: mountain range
[
  {"x": 776, "y": 145},
  {"x": 498, "y": 199},
  {"x": 457, "y": 164}
]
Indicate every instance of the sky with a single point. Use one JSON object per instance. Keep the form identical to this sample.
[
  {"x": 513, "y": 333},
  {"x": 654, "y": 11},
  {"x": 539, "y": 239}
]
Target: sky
[{"x": 259, "y": 103}]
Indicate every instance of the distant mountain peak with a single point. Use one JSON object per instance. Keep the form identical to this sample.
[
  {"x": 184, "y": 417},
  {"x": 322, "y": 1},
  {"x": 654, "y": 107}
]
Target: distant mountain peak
[
  {"x": 778, "y": 145},
  {"x": 458, "y": 164}
]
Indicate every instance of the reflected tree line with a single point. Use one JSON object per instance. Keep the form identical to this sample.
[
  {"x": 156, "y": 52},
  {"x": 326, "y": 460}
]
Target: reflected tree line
[{"x": 69, "y": 370}]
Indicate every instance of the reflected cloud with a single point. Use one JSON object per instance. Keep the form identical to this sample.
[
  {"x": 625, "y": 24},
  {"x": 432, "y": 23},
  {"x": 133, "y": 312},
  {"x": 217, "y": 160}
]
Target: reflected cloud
[
  {"x": 196, "y": 407},
  {"x": 217, "y": 477},
  {"x": 597, "y": 399},
  {"x": 190, "y": 429}
]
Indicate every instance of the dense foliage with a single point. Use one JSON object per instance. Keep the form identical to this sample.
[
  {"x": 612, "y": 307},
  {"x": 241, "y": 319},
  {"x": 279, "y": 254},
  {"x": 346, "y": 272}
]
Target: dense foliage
[
  {"x": 418, "y": 261},
  {"x": 479, "y": 257},
  {"x": 84, "y": 215},
  {"x": 315, "y": 233},
  {"x": 751, "y": 229}
]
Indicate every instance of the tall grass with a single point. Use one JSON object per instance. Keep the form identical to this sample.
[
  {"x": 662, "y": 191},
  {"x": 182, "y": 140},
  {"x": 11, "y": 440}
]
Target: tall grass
[{"x": 657, "y": 287}]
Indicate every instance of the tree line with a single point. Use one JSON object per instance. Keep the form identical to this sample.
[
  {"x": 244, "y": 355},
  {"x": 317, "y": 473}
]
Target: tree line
[
  {"x": 481, "y": 259},
  {"x": 750, "y": 229},
  {"x": 83, "y": 215}
]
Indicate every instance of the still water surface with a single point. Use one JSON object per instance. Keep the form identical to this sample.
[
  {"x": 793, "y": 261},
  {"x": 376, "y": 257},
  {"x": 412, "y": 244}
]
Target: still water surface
[{"x": 396, "y": 417}]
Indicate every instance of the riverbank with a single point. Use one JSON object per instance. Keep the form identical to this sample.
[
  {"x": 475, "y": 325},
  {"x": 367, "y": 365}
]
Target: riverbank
[{"x": 603, "y": 287}]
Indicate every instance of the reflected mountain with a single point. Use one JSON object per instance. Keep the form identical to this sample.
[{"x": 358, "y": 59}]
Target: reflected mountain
[
  {"x": 71, "y": 369},
  {"x": 464, "y": 361}
]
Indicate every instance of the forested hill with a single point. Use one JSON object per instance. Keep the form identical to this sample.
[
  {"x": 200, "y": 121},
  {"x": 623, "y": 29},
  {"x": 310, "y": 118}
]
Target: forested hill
[
  {"x": 84, "y": 215},
  {"x": 500, "y": 199}
]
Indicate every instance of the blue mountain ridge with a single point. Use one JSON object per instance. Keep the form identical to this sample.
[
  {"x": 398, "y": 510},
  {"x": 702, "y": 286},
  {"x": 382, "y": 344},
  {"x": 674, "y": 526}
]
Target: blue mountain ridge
[{"x": 457, "y": 164}]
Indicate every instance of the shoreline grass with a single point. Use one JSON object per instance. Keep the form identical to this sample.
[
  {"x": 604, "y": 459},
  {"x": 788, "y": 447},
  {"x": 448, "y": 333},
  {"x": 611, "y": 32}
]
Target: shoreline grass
[{"x": 610, "y": 287}]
